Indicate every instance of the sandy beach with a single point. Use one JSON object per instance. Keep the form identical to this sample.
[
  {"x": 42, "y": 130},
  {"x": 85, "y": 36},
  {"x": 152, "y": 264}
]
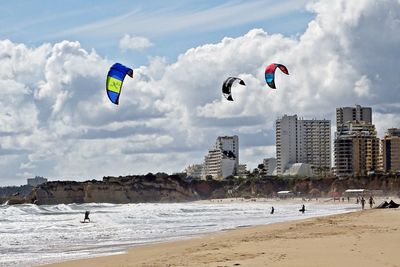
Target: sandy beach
[{"x": 364, "y": 238}]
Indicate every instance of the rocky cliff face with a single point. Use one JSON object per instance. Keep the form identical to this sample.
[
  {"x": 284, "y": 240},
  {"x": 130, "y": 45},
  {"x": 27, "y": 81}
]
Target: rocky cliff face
[
  {"x": 267, "y": 187},
  {"x": 165, "y": 188},
  {"x": 129, "y": 189}
]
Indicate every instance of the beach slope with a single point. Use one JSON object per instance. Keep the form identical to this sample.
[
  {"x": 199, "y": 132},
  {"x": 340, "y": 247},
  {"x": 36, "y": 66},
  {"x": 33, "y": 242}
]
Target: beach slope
[{"x": 365, "y": 238}]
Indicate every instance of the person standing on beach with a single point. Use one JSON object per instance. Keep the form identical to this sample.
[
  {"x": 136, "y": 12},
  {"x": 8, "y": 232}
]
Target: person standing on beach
[
  {"x": 362, "y": 202},
  {"x": 272, "y": 210},
  {"x": 371, "y": 201}
]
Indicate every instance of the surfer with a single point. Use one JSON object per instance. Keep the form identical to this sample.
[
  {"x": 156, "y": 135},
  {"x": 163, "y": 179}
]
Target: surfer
[
  {"x": 86, "y": 216},
  {"x": 272, "y": 210},
  {"x": 303, "y": 209}
]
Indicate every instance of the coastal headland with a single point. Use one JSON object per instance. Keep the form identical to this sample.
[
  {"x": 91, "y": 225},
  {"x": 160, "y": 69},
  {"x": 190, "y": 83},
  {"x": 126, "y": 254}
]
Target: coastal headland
[{"x": 161, "y": 187}]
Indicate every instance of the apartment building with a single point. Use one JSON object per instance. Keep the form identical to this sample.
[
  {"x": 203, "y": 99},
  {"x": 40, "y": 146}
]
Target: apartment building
[
  {"x": 356, "y": 145},
  {"x": 349, "y": 114},
  {"x": 356, "y": 154},
  {"x": 315, "y": 144},
  {"x": 222, "y": 159},
  {"x": 390, "y": 145},
  {"x": 302, "y": 141},
  {"x": 269, "y": 166}
]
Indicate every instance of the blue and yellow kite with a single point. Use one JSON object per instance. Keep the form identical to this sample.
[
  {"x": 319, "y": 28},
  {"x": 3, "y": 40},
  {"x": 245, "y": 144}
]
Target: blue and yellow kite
[{"x": 115, "y": 78}]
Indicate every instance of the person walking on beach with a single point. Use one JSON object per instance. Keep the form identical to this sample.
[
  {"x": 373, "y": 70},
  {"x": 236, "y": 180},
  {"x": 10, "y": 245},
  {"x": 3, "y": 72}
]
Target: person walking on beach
[
  {"x": 362, "y": 202},
  {"x": 272, "y": 210},
  {"x": 371, "y": 201},
  {"x": 303, "y": 209},
  {"x": 86, "y": 216}
]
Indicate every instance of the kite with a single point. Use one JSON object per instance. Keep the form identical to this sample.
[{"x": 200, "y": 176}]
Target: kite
[
  {"x": 270, "y": 73},
  {"x": 115, "y": 78},
  {"x": 226, "y": 86}
]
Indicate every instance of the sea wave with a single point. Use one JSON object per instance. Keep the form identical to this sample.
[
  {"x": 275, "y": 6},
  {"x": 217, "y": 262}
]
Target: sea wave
[{"x": 54, "y": 232}]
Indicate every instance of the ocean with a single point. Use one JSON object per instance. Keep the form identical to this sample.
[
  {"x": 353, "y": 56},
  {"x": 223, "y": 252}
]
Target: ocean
[{"x": 31, "y": 235}]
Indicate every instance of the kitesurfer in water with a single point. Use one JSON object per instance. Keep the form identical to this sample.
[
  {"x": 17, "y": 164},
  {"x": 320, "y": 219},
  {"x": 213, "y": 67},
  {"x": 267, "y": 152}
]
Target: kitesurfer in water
[
  {"x": 303, "y": 209},
  {"x": 86, "y": 216}
]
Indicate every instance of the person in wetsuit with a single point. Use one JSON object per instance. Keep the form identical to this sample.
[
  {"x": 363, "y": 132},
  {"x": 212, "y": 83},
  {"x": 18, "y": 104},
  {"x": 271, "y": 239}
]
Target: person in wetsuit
[
  {"x": 86, "y": 216},
  {"x": 303, "y": 209}
]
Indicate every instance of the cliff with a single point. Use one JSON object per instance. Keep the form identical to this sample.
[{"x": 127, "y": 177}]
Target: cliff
[
  {"x": 171, "y": 188},
  {"x": 129, "y": 189},
  {"x": 307, "y": 187}
]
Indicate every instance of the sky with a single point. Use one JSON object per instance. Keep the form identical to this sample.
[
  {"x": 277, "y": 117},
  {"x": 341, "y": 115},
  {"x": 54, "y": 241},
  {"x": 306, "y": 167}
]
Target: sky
[{"x": 57, "y": 122}]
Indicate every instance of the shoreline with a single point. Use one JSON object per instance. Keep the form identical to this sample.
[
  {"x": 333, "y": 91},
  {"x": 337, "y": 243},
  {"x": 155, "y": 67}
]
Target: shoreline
[{"x": 368, "y": 238}]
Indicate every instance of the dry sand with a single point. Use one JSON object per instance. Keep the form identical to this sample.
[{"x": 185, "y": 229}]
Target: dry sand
[{"x": 365, "y": 238}]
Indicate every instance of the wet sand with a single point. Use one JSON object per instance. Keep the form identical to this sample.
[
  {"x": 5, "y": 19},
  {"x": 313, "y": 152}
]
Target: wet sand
[{"x": 366, "y": 238}]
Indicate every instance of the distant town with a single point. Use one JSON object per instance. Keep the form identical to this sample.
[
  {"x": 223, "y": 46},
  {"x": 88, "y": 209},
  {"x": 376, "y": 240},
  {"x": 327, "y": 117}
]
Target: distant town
[
  {"x": 362, "y": 164},
  {"x": 303, "y": 149}
]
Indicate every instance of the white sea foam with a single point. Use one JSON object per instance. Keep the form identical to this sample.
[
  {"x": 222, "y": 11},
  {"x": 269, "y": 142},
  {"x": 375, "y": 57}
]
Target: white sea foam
[{"x": 32, "y": 235}]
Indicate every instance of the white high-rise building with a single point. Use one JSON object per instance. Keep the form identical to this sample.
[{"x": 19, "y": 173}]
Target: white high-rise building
[
  {"x": 314, "y": 139},
  {"x": 212, "y": 164},
  {"x": 286, "y": 142},
  {"x": 269, "y": 166},
  {"x": 303, "y": 141},
  {"x": 223, "y": 159},
  {"x": 229, "y": 143}
]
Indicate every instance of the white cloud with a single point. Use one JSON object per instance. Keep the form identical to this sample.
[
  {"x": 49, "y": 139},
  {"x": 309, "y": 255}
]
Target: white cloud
[
  {"x": 57, "y": 121},
  {"x": 362, "y": 86},
  {"x": 128, "y": 42}
]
